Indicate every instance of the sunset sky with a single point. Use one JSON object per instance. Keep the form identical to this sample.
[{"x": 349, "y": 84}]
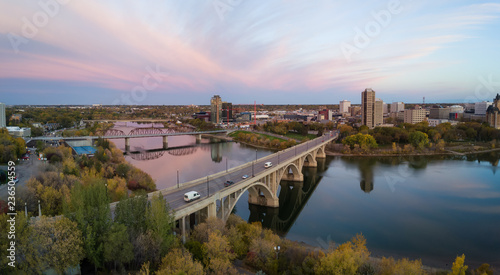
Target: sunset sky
[{"x": 272, "y": 52}]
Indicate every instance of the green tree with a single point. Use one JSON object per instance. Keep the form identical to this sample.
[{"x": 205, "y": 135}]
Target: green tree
[
  {"x": 362, "y": 140},
  {"x": 418, "y": 139},
  {"x": 59, "y": 243},
  {"x": 160, "y": 221},
  {"x": 88, "y": 206},
  {"x": 117, "y": 246},
  {"x": 131, "y": 212}
]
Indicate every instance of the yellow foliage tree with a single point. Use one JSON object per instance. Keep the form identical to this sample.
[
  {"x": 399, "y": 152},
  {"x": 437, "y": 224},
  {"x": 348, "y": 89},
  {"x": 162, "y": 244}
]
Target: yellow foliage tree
[{"x": 458, "y": 267}]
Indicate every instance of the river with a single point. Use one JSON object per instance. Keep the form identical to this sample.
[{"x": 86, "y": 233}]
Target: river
[{"x": 433, "y": 208}]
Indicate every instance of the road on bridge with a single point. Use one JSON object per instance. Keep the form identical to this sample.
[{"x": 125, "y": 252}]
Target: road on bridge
[{"x": 176, "y": 198}]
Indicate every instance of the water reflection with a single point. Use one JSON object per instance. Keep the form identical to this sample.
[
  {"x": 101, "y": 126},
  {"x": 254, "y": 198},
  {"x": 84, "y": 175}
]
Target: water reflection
[{"x": 293, "y": 196}]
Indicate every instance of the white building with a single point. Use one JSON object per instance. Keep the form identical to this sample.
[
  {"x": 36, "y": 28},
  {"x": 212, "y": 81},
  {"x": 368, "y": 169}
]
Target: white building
[
  {"x": 397, "y": 107},
  {"x": 480, "y": 107},
  {"x": 344, "y": 106},
  {"x": 19, "y": 132},
  {"x": 457, "y": 109},
  {"x": 436, "y": 122},
  {"x": 2, "y": 116}
]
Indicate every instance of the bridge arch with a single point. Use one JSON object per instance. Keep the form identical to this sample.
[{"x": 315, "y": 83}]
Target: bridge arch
[
  {"x": 309, "y": 160},
  {"x": 259, "y": 194},
  {"x": 295, "y": 175},
  {"x": 320, "y": 153}
]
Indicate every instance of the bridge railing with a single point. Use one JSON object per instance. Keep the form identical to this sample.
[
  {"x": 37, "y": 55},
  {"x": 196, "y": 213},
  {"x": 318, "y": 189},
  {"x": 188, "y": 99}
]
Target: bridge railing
[{"x": 222, "y": 173}]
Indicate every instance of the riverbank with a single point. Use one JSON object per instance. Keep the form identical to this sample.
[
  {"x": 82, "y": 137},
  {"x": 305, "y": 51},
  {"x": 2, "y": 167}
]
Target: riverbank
[{"x": 446, "y": 152}]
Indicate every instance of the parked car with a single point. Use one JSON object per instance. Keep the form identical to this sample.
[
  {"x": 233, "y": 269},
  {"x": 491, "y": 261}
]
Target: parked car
[
  {"x": 228, "y": 183},
  {"x": 244, "y": 176},
  {"x": 191, "y": 196},
  {"x": 268, "y": 164}
]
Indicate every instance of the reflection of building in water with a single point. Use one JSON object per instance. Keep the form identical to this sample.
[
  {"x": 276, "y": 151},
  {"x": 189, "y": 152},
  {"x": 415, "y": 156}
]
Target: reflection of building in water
[
  {"x": 216, "y": 152},
  {"x": 366, "y": 171}
]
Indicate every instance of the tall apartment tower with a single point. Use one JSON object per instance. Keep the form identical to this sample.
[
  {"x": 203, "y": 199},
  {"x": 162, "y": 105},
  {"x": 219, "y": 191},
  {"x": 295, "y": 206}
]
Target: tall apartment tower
[
  {"x": 344, "y": 106},
  {"x": 3, "y": 123},
  {"x": 216, "y": 109},
  {"x": 371, "y": 109}
]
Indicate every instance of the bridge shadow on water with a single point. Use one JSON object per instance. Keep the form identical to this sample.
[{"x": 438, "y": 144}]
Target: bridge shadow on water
[
  {"x": 293, "y": 196},
  {"x": 141, "y": 154}
]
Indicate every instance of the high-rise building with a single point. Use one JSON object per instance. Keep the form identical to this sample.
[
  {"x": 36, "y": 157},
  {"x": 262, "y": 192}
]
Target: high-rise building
[
  {"x": 386, "y": 108},
  {"x": 227, "y": 111},
  {"x": 216, "y": 109},
  {"x": 2, "y": 116},
  {"x": 397, "y": 107},
  {"x": 344, "y": 106},
  {"x": 414, "y": 115},
  {"x": 371, "y": 109},
  {"x": 493, "y": 113}
]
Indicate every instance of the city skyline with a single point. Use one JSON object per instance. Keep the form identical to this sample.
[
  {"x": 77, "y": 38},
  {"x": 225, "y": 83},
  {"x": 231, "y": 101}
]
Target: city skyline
[{"x": 279, "y": 52}]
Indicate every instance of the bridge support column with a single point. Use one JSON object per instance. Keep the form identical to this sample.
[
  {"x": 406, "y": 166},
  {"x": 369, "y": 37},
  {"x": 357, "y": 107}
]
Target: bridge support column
[
  {"x": 165, "y": 143},
  {"x": 198, "y": 138},
  {"x": 321, "y": 154},
  {"x": 127, "y": 144},
  {"x": 212, "y": 210},
  {"x": 183, "y": 232},
  {"x": 312, "y": 163},
  {"x": 255, "y": 198}
]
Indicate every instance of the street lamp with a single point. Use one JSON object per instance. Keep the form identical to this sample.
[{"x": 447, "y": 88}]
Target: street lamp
[
  {"x": 252, "y": 169},
  {"x": 226, "y": 164},
  {"x": 208, "y": 188},
  {"x": 177, "y": 179},
  {"x": 255, "y": 154},
  {"x": 277, "y": 249}
]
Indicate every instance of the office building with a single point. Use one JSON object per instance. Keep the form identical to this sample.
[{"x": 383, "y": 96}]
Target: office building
[
  {"x": 227, "y": 111},
  {"x": 355, "y": 110},
  {"x": 325, "y": 115},
  {"x": 216, "y": 109},
  {"x": 397, "y": 107},
  {"x": 438, "y": 112},
  {"x": 456, "y": 109},
  {"x": 492, "y": 113},
  {"x": 414, "y": 115},
  {"x": 344, "y": 106},
  {"x": 3, "y": 123},
  {"x": 386, "y": 108},
  {"x": 481, "y": 107},
  {"x": 371, "y": 109}
]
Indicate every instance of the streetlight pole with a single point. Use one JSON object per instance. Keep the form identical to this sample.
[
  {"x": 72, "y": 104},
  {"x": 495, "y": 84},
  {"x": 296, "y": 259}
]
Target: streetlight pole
[
  {"x": 277, "y": 249},
  {"x": 177, "y": 179},
  {"x": 255, "y": 154},
  {"x": 252, "y": 170},
  {"x": 226, "y": 164},
  {"x": 208, "y": 188}
]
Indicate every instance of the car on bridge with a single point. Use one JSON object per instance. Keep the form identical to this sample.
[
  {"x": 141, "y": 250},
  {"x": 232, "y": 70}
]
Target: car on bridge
[
  {"x": 244, "y": 177},
  {"x": 191, "y": 196},
  {"x": 228, "y": 183},
  {"x": 268, "y": 164}
]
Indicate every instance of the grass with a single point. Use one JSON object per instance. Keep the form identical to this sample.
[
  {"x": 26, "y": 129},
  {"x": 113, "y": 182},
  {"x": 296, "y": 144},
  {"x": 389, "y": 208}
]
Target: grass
[
  {"x": 271, "y": 138},
  {"x": 300, "y": 137}
]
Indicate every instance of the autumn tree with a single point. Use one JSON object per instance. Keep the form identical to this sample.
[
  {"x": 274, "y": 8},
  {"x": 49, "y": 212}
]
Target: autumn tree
[
  {"x": 179, "y": 261},
  {"x": 59, "y": 243},
  {"x": 218, "y": 254},
  {"x": 345, "y": 259},
  {"x": 458, "y": 267},
  {"x": 362, "y": 140}
]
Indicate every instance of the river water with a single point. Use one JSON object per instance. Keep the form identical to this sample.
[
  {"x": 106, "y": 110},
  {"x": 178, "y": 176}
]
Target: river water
[{"x": 433, "y": 208}]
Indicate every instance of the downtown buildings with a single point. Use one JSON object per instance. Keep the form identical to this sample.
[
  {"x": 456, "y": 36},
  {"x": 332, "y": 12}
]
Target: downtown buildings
[{"x": 372, "y": 114}]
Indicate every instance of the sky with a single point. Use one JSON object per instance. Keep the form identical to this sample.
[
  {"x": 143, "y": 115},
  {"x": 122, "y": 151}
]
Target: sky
[{"x": 271, "y": 52}]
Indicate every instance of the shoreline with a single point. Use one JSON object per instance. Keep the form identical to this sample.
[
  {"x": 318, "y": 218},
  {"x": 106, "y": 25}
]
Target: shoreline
[{"x": 447, "y": 152}]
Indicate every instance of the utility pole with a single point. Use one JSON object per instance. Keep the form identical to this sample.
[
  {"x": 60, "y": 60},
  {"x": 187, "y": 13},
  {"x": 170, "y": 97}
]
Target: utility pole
[
  {"x": 177, "y": 179},
  {"x": 208, "y": 188}
]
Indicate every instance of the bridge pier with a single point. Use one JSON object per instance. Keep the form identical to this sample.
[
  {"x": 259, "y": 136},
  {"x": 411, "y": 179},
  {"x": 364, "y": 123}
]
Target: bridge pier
[
  {"x": 165, "y": 143},
  {"x": 127, "y": 144},
  {"x": 254, "y": 197},
  {"x": 183, "y": 227},
  {"x": 198, "y": 139}
]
